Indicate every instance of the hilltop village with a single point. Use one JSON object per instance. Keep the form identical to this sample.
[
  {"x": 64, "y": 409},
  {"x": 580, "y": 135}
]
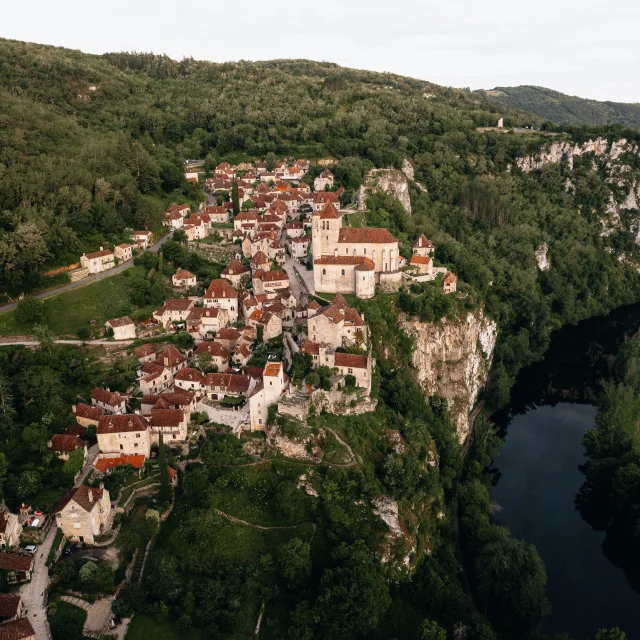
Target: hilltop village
[{"x": 280, "y": 304}]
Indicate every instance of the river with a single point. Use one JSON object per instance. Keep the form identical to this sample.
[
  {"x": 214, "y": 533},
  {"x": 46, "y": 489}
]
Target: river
[{"x": 537, "y": 476}]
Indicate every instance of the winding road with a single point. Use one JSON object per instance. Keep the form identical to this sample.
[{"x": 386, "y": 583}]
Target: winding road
[{"x": 49, "y": 293}]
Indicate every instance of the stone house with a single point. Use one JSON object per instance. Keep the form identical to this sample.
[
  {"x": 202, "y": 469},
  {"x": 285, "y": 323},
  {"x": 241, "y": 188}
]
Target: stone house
[
  {"x": 295, "y": 230},
  {"x": 422, "y": 246},
  {"x": 87, "y": 415},
  {"x": 217, "y": 214},
  {"x": 299, "y": 247},
  {"x": 123, "y": 252},
  {"x": 10, "y": 530},
  {"x": 145, "y": 352},
  {"x": 173, "y": 310},
  {"x": 449, "y": 283},
  {"x": 10, "y": 607},
  {"x": 183, "y": 279},
  {"x": 143, "y": 239},
  {"x": 343, "y": 364},
  {"x": 236, "y": 273},
  {"x": 323, "y": 181},
  {"x": 154, "y": 378},
  {"x": 228, "y": 337},
  {"x": 260, "y": 262},
  {"x": 17, "y": 568},
  {"x": 189, "y": 379},
  {"x": 219, "y": 353},
  {"x": 220, "y": 385},
  {"x": 173, "y": 220},
  {"x": 123, "y": 328},
  {"x": 266, "y": 281},
  {"x": 271, "y": 324},
  {"x": 337, "y": 325},
  {"x": 108, "y": 401},
  {"x": 19, "y": 629},
  {"x": 422, "y": 265},
  {"x": 83, "y": 513},
  {"x": 242, "y": 355},
  {"x": 63, "y": 444},
  {"x": 266, "y": 393},
  {"x": 170, "y": 358},
  {"x": 126, "y": 434},
  {"x": 204, "y": 321},
  {"x": 221, "y": 295},
  {"x": 171, "y": 423},
  {"x": 245, "y": 221},
  {"x": 98, "y": 261}
]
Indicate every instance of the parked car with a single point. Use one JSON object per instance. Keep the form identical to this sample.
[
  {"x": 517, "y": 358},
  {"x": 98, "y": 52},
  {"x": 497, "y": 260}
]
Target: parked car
[
  {"x": 69, "y": 549},
  {"x": 31, "y": 549}
]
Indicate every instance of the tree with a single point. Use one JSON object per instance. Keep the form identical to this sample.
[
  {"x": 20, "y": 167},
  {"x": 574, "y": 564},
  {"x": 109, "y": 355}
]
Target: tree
[
  {"x": 180, "y": 235},
  {"x": 271, "y": 160},
  {"x": 36, "y": 436},
  {"x": 235, "y": 198},
  {"x": 353, "y": 596},
  {"x": 432, "y": 631},
  {"x": 30, "y": 310},
  {"x": 294, "y": 562},
  {"x": 247, "y": 205},
  {"x": 74, "y": 463},
  {"x": 204, "y": 361},
  {"x": 88, "y": 571}
]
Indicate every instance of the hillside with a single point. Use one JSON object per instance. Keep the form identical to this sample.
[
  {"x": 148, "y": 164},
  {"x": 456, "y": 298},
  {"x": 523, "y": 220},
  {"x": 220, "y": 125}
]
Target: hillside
[
  {"x": 541, "y": 229},
  {"x": 563, "y": 109}
]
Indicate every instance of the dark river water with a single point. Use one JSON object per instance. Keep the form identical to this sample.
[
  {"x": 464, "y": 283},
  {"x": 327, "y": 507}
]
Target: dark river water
[{"x": 537, "y": 476}]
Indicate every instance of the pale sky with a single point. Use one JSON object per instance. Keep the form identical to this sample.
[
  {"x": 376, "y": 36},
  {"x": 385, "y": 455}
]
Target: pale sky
[{"x": 588, "y": 48}]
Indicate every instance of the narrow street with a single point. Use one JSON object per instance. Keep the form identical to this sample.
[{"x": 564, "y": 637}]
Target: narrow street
[{"x": 33, "y": 593}]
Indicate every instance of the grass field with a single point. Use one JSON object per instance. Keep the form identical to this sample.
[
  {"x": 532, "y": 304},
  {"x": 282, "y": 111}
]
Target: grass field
[{"x": 67, "y": 312}]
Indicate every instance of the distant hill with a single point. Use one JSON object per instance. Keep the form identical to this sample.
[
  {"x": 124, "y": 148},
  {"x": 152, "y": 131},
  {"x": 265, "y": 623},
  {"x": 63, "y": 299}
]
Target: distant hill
[{"x": 564, "y": 109}]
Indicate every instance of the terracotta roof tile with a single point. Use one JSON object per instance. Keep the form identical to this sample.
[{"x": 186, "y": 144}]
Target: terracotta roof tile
[
  {"x": 121, "y": 424},
  {"x": 351, "y": 360},
  {"x": 66, "y": 442},
  {"x": 104, "y": 464},
  {"x": 84, "y": 496},
  {"x": 17, "y": 629},
  {"x": 365, "y": 235}
]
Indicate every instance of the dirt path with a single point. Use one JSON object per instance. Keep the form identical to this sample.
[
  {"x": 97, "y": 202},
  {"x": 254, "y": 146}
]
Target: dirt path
[{"x": 235, "y": 520}]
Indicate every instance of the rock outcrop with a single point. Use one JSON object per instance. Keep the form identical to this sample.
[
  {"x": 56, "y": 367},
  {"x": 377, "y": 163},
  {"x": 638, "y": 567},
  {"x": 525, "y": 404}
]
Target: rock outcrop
[
  {"x": 391, "y": 181},
  {"x": 453, "y": 358},
  {"x": 543, "y": 262}
]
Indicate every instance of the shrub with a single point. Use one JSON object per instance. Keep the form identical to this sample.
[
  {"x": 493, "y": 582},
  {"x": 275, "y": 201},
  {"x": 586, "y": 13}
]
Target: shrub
[{"x": 30, "y": 310}]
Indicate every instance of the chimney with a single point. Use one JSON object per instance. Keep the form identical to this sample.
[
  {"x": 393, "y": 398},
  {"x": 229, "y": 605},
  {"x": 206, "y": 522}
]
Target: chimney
[
  {"x": 335, "y": 252},
  {"x": 101, "y": 248},
  {"x": 90, "y": 495}
]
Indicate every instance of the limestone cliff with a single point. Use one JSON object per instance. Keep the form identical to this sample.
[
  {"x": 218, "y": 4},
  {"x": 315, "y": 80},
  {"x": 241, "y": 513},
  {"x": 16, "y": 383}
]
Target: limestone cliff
[
  {"x": 453, "y": 358},
  {"x": 390, "y": 181},
  {"x": 616, "y": 161}
]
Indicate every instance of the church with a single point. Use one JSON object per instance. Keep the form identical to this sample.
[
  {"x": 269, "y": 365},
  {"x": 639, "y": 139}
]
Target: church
[{"x": 350, "y": 260}]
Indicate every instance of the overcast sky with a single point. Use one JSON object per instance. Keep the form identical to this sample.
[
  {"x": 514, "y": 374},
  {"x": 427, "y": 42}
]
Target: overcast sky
[{"x": 588, "y": 48}]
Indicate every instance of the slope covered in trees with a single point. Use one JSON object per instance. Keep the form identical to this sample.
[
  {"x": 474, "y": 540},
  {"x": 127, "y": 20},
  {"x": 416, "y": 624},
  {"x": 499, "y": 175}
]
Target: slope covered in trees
[{"x": 563, "y": 109}]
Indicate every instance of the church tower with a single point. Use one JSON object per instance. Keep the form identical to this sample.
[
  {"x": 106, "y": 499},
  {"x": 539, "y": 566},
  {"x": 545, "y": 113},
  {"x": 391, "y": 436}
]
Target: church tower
[{"x": 326, "y": 226}]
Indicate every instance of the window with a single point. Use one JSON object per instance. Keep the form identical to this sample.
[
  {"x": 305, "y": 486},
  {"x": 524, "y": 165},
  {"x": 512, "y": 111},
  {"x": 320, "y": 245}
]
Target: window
[
  {"x": 121, "y": 447},
  {"x": 135, "y": 444},
  {"x": 137, "y": 435},
  {"x": 324, "y": 272},
  {"x": 350, "y": 371},
  {"x": 260, "y": 421}
]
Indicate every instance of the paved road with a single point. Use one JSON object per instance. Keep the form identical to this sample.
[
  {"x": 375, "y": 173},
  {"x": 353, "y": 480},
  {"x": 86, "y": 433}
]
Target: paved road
[
  {"x": 90, "y": 280},
  {"x": 33, "y": 593},
  {"x": 29, "y": 341}
]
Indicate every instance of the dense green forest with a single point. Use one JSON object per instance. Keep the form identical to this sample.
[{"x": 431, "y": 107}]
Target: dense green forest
[
  {"x": 609, "y": 499},
  {"x": 563, "y": 109},
  {"x": 91, "y": 146}
]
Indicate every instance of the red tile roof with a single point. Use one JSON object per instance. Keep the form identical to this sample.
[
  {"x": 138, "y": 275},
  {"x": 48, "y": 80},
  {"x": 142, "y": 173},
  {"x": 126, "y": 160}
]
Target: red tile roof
[
  {"x": 350, "y": 360},
  {"x": 328, "y": 213},
  {"x": 15, "y": 562},
  {"x": 189, "y": 374},
  {"x": 17, "y": 630},
  {"x": 260, "y": 258},
  {"x": 120, "y": 322},
  {"x": 121, "y": 424},
  {"x": 98, "y": 254},
  {"x": 66, "y": 442},
  {"x": 235, "y": 268},
  {"x": 420, "y": 260},
  {"x": 449, "y": 278},
  {"x": 104, "y": 464},
  {"x": 312, "y": 348},
  {"x": 84, "y": 496},
  {"x": 423, "y": 243},
  {"x": 232, "y": 382},
  {"x": 273, "y": 369},
  {"x": 144, "y": 350},
  {"x": 220, "y": 289},
  {"x": 83, "y": 410},
  {"x": 214, "y": 349},
  {"x": 183, "y": 274},
  {"x": 9, "y": 604},
  {"x": 365, "y": 235},
  {"x": 228, "y": 333},
  {"x": 107, "y": 397},
  {"x": 167, "y": 417},
  {"x": 175, "y": 304},
  {"x": 172, "y": 356},
  {"x": 275, "y": 276}
]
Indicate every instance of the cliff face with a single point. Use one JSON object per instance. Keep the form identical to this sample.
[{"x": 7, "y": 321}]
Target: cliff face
[
  {"x": 391, "y": 181},
  {"x": 616, "y": 161},
  {"x": 453, "y": 358}
]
